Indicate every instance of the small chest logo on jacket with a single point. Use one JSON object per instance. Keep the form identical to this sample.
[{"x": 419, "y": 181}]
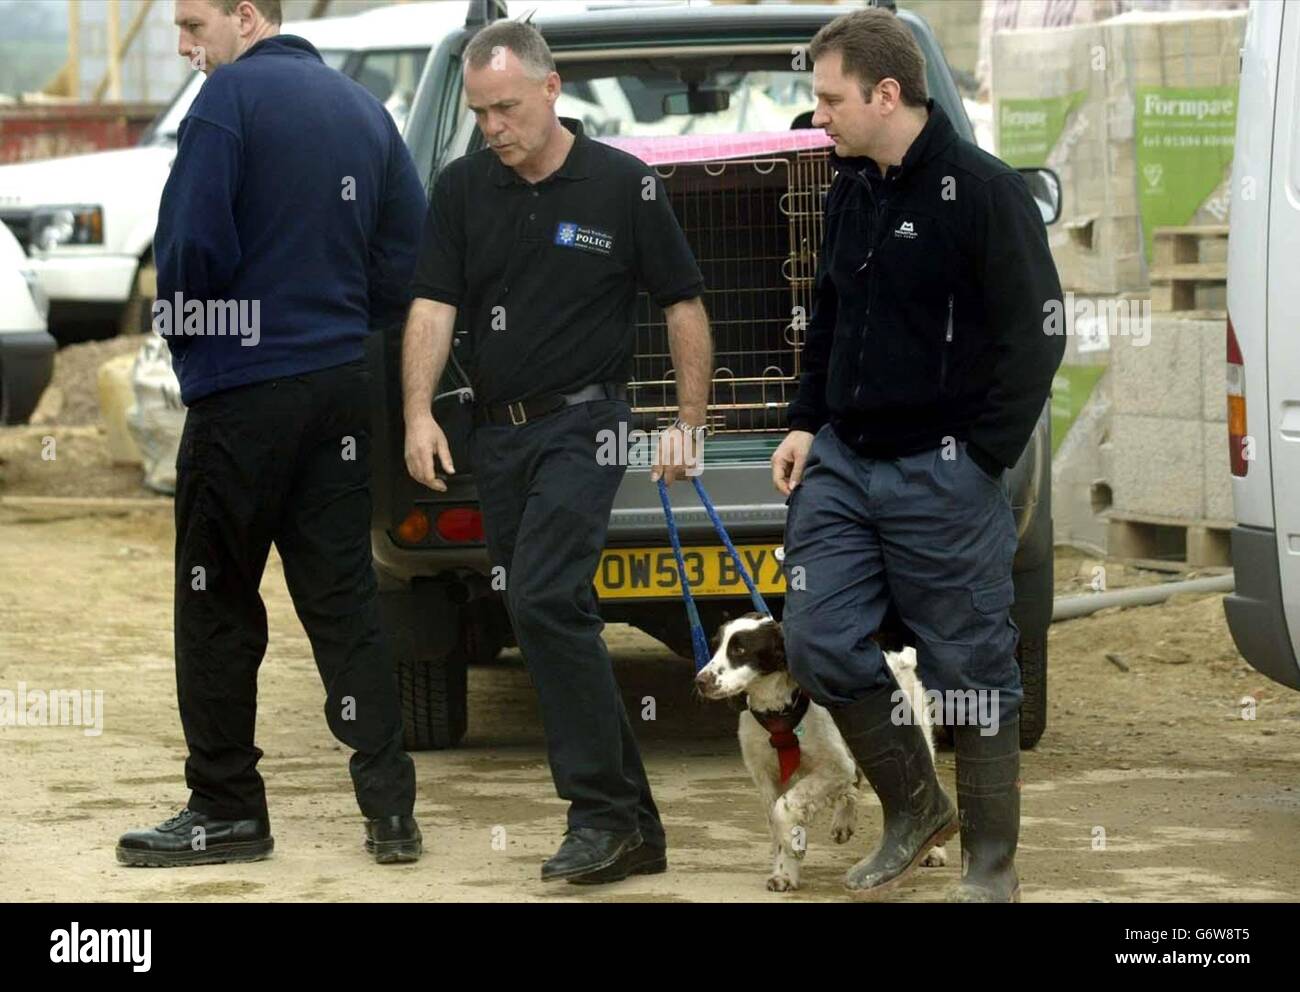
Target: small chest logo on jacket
[
  {"x": 571, "y": 235},
  {"x": 905, "y": 230}
]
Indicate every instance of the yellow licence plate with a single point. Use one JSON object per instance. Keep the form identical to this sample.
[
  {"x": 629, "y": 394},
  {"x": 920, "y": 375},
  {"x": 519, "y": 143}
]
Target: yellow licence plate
[{"x": 647, "y": 573}]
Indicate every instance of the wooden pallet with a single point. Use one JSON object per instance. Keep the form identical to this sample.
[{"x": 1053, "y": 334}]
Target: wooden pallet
[
  {"x": 1177, "y": 269},
  {"x": 1169, "y": 543}
]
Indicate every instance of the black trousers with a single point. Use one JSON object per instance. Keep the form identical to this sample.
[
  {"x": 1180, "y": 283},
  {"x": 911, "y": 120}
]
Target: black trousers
[
  {"x": 283, "y": 461},
  {"x": 546, "y": 504}
]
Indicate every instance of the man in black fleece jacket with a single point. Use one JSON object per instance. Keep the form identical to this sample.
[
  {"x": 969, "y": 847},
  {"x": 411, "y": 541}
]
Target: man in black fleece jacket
[
  {"x": 928, "y": 360},
  {"x": 294, "y": 201}
]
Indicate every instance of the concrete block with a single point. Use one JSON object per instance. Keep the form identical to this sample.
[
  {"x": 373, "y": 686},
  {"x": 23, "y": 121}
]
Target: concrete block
[
  {"x": 1156, "y": 465},
  {"x": 1080, "y": 479},
  {"x": 1163, "y": 377},
  {"x": 1214, "y": 381},
  {"x": 1100, "y": 255},
  {"x": 1218, "y": 476}
]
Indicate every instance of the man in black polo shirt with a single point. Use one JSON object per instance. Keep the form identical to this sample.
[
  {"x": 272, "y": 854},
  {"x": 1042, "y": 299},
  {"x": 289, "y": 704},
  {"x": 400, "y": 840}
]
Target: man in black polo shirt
[{"x": 542, "y": 240}]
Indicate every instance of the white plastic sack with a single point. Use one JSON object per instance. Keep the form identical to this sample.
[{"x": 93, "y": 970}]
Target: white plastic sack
[{"x": 158, "y": 416}]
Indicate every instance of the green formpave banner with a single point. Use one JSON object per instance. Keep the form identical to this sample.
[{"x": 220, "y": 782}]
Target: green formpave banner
[
  {"x": 1071, "y": 387},
  {"x": 1184, "y": 150},
  {"x": 1028, "y": 130}
]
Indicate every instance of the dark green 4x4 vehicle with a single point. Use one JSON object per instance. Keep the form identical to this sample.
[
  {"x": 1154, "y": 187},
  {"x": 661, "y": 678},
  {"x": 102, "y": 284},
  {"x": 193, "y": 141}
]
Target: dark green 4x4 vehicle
[{"x": 646, "y": 77}]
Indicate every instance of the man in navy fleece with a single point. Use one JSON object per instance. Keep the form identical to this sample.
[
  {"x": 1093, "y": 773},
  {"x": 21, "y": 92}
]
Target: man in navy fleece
[{"x": 288, "y": 229}]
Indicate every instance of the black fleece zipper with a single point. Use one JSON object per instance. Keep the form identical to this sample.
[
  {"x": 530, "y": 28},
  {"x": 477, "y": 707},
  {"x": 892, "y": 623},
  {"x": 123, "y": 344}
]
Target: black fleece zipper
[
  {"x": 947, "y": 343},
  {"x": 880, "y": 232}
]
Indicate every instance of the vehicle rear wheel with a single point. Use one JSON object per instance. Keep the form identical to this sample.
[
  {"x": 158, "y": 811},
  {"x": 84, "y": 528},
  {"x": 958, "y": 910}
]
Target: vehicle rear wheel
[
  {"x": 421, "y": 628},
  {"x": 1032, "y": 658},
  {"x": 434, "y": 696}
]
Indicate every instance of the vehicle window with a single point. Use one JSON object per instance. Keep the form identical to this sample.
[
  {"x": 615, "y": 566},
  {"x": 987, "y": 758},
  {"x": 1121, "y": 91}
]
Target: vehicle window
[
  {"x": 763, "y": 94},
  {"x": 163, "y": 130},
  {"x": 626, "y": 99},
  {"x": 391, "y": 76},
  {"x": 335, "y": 57},
  {"x": 634, "y": 105}
]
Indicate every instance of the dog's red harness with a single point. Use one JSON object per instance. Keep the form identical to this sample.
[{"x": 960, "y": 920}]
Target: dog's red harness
[{"x": 781, "y": 727}]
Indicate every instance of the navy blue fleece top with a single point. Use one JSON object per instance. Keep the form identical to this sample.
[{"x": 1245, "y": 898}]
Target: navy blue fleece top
[{"x": 292, "y": 201}]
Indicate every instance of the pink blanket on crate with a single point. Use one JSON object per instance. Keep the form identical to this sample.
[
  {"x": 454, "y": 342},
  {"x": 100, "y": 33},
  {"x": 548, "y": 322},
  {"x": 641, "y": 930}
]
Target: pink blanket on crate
[{"x": 669, "y": 149}]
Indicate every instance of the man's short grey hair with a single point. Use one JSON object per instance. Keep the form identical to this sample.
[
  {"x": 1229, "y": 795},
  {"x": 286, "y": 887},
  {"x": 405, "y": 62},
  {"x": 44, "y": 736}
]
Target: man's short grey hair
[{"x": 524, "y": 40}]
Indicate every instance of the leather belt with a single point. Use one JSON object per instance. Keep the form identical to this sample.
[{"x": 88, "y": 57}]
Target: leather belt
[{"x": 522, "y": 411}]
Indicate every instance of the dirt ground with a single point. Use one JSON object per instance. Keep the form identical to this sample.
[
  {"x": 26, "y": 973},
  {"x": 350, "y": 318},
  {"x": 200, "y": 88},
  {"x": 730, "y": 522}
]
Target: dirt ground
[
  {"x": 1149, "y": 784},
  {"x": 72, "y": 397},
  {"x": 62, "y": 451}
]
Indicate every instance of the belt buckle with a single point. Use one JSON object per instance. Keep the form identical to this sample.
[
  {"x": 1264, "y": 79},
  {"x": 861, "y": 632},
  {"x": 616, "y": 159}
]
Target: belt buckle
[{"x": 523, "y": 417}]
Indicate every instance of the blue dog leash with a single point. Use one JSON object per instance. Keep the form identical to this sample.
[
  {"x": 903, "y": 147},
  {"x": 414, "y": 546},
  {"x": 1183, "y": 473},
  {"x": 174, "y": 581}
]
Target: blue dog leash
[{"x": 699, "y": 642}]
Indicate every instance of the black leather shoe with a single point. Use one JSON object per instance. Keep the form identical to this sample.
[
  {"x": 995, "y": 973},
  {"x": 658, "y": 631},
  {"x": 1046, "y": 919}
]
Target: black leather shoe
[
  {"x": 587, "y": 852},
  {"x": 191, "y": 838},
  {"x": 394, "y": 839},
  {"x": 648, "y": 859}
]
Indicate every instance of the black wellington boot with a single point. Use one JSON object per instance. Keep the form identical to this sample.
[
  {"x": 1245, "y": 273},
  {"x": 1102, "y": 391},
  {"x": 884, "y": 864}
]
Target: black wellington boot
[
  {"x": 896, "y": 761},
  {"x": 988, "y": 796}
]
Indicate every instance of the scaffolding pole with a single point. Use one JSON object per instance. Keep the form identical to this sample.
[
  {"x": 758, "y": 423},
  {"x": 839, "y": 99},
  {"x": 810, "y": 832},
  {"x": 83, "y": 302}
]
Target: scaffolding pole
[
  {"x": 113, "y": 53},
  {"x": 74, "y": 49},
  {"x": 133, "y": 29}
]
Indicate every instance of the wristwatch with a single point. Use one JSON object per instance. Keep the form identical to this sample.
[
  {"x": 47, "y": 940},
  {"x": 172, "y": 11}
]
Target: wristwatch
[{"x": 700, "y": 432}]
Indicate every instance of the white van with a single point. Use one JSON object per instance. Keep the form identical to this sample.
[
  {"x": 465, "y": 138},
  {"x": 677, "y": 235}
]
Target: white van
[
  {"x": 1263, "y": 346},
  {"x": 87, "y": 221}
]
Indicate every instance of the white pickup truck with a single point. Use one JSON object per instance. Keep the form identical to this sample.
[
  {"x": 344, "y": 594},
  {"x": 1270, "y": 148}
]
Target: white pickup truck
[{"x": 87, "y": 221}]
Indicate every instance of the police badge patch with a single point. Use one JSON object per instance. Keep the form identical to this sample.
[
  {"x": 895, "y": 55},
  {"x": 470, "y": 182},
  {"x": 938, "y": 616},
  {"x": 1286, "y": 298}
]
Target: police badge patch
[{"x": 571, "y": 235}]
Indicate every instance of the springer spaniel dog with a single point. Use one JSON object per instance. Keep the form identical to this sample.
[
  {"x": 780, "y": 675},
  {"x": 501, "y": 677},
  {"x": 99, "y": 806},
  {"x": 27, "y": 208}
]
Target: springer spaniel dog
[{"x": 791, "y": 746}]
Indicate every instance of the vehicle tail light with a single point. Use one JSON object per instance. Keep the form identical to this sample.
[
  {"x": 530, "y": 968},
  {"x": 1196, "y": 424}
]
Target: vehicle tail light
[
  {"x": 1236, "y": 406},
  {"x": 461, "y": 525},
  {"x": 415, "y": 528}
]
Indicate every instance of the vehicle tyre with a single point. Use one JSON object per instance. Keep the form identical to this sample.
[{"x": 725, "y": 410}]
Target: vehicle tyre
[
  {"x": 1032, "y": 658},
  {"x": 421, "y": 627},
  {"x": 434, "y": 694}
]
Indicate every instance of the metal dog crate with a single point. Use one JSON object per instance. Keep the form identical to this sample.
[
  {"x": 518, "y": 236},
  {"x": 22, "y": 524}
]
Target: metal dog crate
[{"x": 755, "y": 226}]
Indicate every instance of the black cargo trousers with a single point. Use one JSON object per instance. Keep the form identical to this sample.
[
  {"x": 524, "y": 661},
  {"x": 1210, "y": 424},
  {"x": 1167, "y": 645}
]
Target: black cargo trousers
[
  {"x": 285, "y": 461},
  {"x": 546, "y": 500}
]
